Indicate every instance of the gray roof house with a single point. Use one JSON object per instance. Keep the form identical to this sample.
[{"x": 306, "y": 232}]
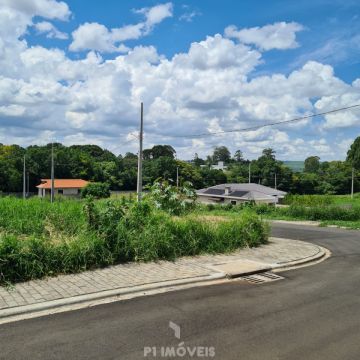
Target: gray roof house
[{"x": 239, "y": 193}]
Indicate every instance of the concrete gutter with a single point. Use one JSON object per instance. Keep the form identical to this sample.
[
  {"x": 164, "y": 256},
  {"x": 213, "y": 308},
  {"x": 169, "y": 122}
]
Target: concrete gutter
[
  {"x": 295, "y": 222},
  {"x": 47, "y": 305},
  {"x": 229, "y": 270},
  {"x": 243, "y": 268}
]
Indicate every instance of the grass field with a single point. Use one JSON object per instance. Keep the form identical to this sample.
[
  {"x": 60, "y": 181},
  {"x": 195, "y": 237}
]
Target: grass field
[
  {"x": 40, "y": 239},
  {"x": 323, "y": 200},
  {"x": 338, "y": 210}
]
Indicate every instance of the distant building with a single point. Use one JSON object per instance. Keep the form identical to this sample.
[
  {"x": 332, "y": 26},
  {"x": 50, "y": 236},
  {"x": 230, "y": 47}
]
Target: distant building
[
  {"x": 220, "y": 166},
  {"x": 239, "y": 193},
  {"x": 66, "y": 187}
]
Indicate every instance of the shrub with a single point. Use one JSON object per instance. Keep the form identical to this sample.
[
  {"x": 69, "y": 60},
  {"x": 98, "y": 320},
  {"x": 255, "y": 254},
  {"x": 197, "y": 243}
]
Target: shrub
[
  {"x": 172, "y": 199},
  {"x": 106, "y": 232},
  {"x": 96, "y": 190},
  {"x": 160, "y": 236}
]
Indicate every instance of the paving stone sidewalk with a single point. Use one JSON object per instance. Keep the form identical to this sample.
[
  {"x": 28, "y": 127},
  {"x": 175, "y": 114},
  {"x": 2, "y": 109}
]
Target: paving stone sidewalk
[{"x": 278, "y": 251}]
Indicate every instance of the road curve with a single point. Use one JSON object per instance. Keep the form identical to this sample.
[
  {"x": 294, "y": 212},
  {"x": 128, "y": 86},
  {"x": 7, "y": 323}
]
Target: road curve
[{"x": 314, "y": 313}]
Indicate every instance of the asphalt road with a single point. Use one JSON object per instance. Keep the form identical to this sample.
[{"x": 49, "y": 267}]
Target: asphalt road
[{"x": 314, "y": 313}]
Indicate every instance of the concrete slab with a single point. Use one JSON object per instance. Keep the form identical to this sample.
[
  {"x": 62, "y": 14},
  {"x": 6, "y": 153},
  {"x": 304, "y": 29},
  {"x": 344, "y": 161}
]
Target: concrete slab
[{"x": 242, "y": 267}]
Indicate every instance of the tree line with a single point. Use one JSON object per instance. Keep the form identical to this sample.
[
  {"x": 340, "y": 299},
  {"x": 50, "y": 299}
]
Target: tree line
[{"x": 91, "y": 162}]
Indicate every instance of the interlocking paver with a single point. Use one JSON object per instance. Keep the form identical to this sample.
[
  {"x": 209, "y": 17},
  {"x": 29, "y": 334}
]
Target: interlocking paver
[{"x": 135, "y": 274}]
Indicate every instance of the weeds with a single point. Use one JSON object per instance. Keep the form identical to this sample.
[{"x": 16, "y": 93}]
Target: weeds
[{"x": 40, "y": 239}]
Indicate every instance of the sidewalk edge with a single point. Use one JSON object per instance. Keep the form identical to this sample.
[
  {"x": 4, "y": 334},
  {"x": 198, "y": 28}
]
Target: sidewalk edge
[{"x": 33, "y": 309}]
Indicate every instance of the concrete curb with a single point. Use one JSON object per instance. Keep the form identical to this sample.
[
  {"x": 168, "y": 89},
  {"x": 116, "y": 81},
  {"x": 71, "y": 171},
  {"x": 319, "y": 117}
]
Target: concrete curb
[
  {"x": 321, "y": 254},
  {"x": 296, "y": 222},
  {"x": 34, "y": 309},
  {"x": 47, "y": 305}
]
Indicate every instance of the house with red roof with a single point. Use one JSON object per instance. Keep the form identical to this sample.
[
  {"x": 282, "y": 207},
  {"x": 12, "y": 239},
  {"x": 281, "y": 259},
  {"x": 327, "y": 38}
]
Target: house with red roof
[{"x": 66, "y": 187}]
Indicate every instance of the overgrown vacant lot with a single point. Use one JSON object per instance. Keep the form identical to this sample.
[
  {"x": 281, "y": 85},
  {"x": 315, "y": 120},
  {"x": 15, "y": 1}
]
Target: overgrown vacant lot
[
  {"x": 339, "y": 210},
  {"x": 39, "y": 239},
  {"x": 320, "y": 200}
]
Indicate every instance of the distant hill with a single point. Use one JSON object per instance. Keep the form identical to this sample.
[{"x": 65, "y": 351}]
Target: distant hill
[{"x": 295, "y": 165}]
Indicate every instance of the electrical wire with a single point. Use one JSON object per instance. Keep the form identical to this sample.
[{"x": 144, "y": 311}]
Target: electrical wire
[{"x": 265, "y": 125}]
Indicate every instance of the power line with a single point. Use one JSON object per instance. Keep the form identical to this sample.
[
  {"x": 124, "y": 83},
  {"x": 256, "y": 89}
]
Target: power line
[{"x": 265, "y": 125}]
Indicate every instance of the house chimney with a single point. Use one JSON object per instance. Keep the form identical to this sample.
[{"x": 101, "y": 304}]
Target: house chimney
[{"x": 227, "y": 190}]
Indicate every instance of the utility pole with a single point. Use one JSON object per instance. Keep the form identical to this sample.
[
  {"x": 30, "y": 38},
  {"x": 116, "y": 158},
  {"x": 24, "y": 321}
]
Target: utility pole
[
  {"x": 249, "y": 172},
  {"x": 352, "y": 182},
  {"x": 177, "y": 176},
  {"x": 275, "y": 182},
  {"x": 24, "y": 179},
  {"x": 28, "y": 185},
  {"x": 52, "y": 174},
  {"x": 140, "y": 155}
]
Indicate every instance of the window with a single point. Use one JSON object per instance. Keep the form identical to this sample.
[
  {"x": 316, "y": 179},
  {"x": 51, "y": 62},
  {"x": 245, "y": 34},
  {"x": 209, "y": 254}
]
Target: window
[
  {"x": 60, "y": 191},
  {"x": 233, "y": 202}
]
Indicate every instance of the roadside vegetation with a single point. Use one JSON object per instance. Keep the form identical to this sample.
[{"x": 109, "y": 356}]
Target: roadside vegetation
[
  {"x": 40, "y": 239},
  {"x": 327, "y": 209}
]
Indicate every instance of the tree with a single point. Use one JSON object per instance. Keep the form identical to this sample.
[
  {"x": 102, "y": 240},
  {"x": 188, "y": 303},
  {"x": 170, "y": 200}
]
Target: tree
[
  {"x": 158, "y": 151},
  {"x": 11, "y": 165},
  {"x": 238, "y": 156},
  {"x": 269, "y": 153},
  {"x": 312, "y": 164},
  {"x": 353, "y": 155},
  {"x": 267, "y": 167},
  {"x": 163, "y": 168},
  {"x": 221, "y": 153},
  {"x": 96, "y": 190},
  {"x": 212, "y": 177},
  {"x": 198, "y": 161}
]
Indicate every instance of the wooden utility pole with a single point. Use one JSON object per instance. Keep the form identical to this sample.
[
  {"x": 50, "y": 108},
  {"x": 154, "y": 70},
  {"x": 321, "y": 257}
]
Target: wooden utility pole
[
  {"x": 177, "y": 176},
  {"x": 352, "y": 182},
  {"x": 140, "y": 155},
  {"x": 24, "y": 179},
  {"x": 52, "y": 174},
  {"x": 249, "y": 172}
]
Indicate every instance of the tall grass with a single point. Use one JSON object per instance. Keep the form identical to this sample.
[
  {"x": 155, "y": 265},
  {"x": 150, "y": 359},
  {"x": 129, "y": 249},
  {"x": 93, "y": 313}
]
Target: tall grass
[
  {"x": 325, "y": 210},
  {"x": 39, "y": 239},
  {"x": 39, "y": 217},
  {"x": 309, "y": 200}
]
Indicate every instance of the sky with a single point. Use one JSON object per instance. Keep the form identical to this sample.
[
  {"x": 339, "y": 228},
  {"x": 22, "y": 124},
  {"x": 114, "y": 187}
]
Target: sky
[{"x": 76, "y": 72}]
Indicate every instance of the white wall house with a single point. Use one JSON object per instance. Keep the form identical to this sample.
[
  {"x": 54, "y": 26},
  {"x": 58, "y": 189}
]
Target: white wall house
[
  {"x": 219, "y": 166},
  {"x": 239, "y": 193},
  {"x": 66, "y": 187}
]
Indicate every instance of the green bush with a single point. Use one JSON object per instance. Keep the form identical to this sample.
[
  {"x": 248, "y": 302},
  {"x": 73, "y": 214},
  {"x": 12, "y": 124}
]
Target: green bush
[
  {"x": 164, "y": 237},
  {"x": 96, "y": 190},
  {"x": 45, "y": 239},
  {"x": 172, "y": 199}
]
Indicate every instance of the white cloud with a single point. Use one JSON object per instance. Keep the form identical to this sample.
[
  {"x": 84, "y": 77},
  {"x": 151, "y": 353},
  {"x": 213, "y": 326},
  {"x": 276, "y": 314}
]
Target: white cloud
[
  {"x": 280, "y": 35},
  {"x": 50, "y": 9},
  {"x": 51, "y": 32},
  {"x": 94, "y": 36},
  {"x": 211, "y": 87},
  {"x": 156, "y": 14},
  {"x": 189, "y": 16},
  {"x": 97, "y": 37}
]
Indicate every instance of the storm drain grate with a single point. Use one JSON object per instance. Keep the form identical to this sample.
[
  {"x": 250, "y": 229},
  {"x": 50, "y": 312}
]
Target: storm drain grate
[{"x": 261, "y": 278}]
